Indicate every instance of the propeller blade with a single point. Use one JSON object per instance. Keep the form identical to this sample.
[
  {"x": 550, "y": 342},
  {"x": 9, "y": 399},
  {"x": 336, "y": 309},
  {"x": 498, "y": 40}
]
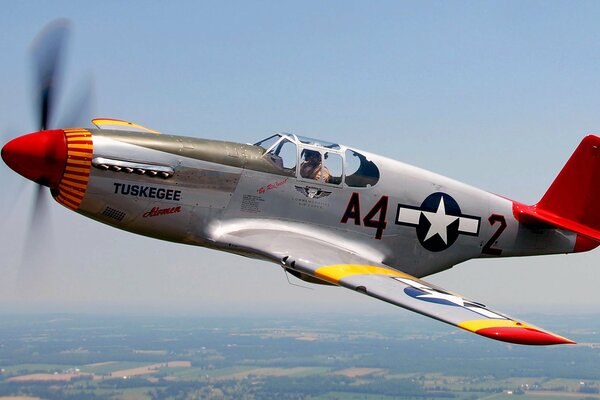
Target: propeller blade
[
  {"x": 79, "y": 110},
  {"x": 34, "y": 271},
  {"x": 40, "y": 212},
  {"x": 47, "y": 54}
]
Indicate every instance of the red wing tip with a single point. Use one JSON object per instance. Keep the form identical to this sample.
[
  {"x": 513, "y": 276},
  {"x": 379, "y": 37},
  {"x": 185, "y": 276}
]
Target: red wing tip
[{"x": 528, "y": 336}]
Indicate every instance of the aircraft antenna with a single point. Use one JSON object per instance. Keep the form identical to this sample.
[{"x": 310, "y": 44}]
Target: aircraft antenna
[{"x": 293, "y": 284}]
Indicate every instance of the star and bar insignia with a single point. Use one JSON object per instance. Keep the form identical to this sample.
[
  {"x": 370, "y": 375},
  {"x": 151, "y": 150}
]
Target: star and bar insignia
[{"x": 438, "y": 221}]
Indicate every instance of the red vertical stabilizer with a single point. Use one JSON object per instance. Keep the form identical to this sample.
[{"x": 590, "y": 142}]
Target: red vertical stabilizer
[{"x": 572, "y": 201}]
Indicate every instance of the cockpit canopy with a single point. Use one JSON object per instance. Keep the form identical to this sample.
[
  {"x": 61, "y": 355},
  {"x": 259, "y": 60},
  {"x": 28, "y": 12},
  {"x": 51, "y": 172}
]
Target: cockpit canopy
[{"x": 317, "y": 160}]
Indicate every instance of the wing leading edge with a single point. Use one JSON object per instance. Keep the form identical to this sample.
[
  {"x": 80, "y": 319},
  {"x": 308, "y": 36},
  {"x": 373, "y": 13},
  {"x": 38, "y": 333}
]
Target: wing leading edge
[{"x": 327, "y": 262}]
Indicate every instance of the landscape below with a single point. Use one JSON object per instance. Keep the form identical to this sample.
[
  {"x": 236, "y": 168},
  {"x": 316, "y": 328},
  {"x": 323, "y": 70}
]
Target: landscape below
[{"x": 287, "y": 357}]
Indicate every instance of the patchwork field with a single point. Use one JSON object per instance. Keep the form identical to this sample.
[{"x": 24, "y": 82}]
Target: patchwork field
[{"x": 232, "y": 359}]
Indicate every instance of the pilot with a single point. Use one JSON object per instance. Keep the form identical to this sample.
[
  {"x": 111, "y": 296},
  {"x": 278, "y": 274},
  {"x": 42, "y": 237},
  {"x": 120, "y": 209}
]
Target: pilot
[{"x": 311, "y": 166}]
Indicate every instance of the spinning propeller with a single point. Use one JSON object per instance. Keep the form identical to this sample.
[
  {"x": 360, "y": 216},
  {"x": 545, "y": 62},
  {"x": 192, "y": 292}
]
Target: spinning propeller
[{"x": 41, "y": 156}]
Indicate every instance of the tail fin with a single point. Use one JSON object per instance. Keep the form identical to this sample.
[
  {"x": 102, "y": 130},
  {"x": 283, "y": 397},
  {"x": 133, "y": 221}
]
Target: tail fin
[{"x": 573, "y": 200}]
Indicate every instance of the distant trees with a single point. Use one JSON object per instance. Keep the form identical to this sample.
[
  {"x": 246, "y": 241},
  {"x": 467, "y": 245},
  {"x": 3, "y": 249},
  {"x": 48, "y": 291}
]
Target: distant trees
[{"x": 588, "y": 389}]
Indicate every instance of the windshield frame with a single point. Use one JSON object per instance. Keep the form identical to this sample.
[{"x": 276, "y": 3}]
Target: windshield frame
[{"x": 322, "y": 146}]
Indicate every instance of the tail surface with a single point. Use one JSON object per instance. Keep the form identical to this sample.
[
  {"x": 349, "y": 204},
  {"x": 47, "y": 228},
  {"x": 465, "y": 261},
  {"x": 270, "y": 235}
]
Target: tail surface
[{"x": 573, "y": 200}]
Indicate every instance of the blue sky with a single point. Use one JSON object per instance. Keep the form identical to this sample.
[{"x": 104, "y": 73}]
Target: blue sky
[{"x": 496, "y": 94}]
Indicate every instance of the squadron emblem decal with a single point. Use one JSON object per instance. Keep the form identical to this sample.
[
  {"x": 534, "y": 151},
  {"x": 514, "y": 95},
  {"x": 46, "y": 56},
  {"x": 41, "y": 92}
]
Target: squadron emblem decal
[
  {"x": 312, "y": 192},
  {"x": 438, "y": 220}
]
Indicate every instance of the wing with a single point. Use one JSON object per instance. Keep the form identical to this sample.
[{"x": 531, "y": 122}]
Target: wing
[{"x": 327, "y": 262}]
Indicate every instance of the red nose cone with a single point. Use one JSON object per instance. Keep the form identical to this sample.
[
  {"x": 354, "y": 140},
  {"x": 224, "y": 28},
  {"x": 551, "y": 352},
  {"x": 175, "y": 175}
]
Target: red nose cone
[{"x": 39, "y": 156}]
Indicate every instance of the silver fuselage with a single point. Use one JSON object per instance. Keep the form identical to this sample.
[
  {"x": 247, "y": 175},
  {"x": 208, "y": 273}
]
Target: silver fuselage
[{"x": 215, "y": 187}]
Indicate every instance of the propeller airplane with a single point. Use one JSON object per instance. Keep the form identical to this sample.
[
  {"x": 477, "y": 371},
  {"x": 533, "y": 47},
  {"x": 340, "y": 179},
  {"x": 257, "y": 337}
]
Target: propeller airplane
[{"x": 327, "y": 213}]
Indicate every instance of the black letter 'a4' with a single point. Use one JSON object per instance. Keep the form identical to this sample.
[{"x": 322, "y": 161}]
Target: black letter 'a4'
[
  {"x": 353, "y": 210},
  {"x": 380, "y": 208}
]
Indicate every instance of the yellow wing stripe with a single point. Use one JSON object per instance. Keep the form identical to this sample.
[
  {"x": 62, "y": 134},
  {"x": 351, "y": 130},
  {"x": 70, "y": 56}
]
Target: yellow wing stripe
[
  {"x": 337, "y": 272},
  {"x": 477, "y": 324}
]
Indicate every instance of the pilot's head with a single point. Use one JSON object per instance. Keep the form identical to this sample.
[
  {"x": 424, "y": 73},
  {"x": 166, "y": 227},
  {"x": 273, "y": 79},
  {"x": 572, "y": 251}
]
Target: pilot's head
[{"x": 311, "y": 156}]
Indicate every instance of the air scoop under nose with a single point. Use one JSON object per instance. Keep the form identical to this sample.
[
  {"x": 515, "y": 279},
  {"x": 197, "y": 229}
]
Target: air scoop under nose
[{"x": 39, "y": 156}]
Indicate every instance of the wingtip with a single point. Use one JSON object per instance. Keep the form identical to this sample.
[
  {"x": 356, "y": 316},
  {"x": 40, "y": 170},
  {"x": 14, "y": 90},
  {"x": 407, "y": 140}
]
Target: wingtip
[{"x": 522, "y": 335}]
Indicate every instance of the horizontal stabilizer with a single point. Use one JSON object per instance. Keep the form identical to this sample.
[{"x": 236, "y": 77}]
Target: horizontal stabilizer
[
  {"x": 571, "y": 202},
  {"x": 532, "y": 215}
]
